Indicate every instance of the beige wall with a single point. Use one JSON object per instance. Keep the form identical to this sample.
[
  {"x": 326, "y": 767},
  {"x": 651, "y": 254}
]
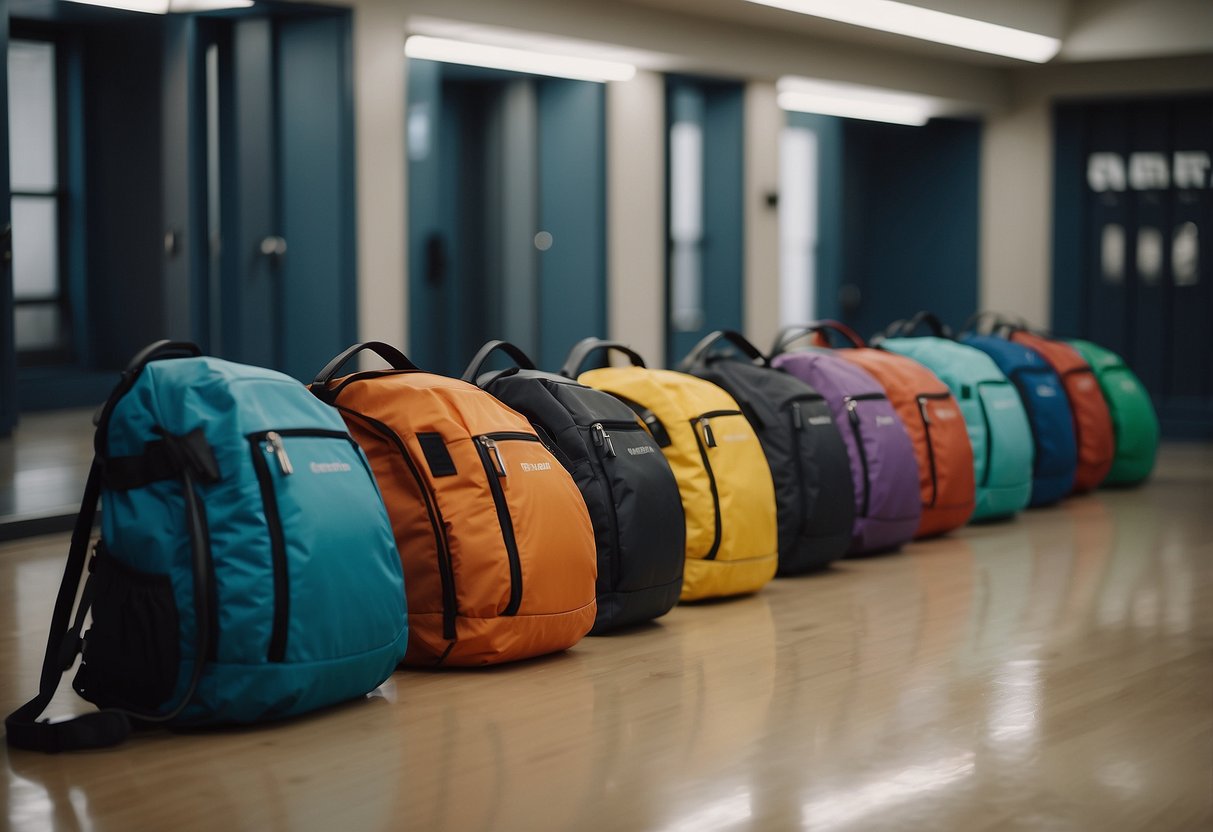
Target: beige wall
[
  {"x": 636, "y": 236},
  {"x": 763, "y": 122},
  {"x": 379, "y": 101},
  {"x": 1017, "y": 170}
]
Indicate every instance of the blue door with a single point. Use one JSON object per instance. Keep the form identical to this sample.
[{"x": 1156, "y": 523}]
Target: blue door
[
  {"x": 507, "y": 207},
  {"x": 259, "y": 194},
  {"x": 705, "y": 211},
  {"x": 1133, "y": 210},
  {"x": 8, "y": 346}
]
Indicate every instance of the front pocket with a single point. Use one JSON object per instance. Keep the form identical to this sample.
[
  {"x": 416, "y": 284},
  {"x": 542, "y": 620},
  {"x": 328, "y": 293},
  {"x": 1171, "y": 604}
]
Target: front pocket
[
  {"x": 705, "y": 437},
  {"x": 495, "y": 470},
  {"x": 132, "y": 651},
  {"x": 648, "y": 533},
  {"x": 299, "y": 471},
  {"x": 1052, "y": 425},
  {"x": 1009, "y": 448}
]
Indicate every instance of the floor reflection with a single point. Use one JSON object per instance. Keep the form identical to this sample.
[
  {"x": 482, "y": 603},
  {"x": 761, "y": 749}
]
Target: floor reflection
[{"x": 1051, "y": 672}]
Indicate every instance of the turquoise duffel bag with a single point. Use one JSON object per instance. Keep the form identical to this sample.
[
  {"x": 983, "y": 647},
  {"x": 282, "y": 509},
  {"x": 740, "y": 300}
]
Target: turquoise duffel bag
[
  {"x": 246, "y": 569},
  {"x": 994, "y": 415}
]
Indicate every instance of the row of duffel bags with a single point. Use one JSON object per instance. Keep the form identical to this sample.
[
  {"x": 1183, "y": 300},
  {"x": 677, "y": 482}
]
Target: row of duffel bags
[
  {"x": 266, "y": 551},
  {"x": 706, "y": 482}
]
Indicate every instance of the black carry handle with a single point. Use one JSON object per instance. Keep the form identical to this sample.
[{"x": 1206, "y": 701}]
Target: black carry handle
[
  {"x": 161, "y": 349},
  {"x": 700, "y": 350},
  {"x": 938, "y": 328},
  {"x": 387, "y": 352},
  {"x": 974, "y": 322},
  {"x": 515, "y": 353},
  {"x": 586, "y": 346},
  {"x": 791, "y": 334},
  {"x": 154, "y": 351}
]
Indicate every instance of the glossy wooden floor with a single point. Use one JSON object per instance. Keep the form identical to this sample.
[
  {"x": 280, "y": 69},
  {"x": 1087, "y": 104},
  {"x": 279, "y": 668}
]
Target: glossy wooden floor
[{"x": 1050, "y": 673}]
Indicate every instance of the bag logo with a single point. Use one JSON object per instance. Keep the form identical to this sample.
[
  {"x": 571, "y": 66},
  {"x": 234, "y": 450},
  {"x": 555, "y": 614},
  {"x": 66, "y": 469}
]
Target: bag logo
[
  {"x": 820, "y": 420},
  {"x": 945, "y": 413},
  {"x": 882, "y": 421},
  {"x": 330, "y": 467},
  {"x": 1128, "y": 386},
  {"x": 1086, "y": 383},
  {"x": 643, "y": 449},
  {"x": 1046, "y": 391},
  {"x": 1005, "y": 404},
  {"x": 736, "y": 437},
  {"x": 535, "y": 466}
]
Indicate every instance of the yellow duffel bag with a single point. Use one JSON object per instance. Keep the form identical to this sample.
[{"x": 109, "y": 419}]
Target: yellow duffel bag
[{"x": 727, "y": 495}]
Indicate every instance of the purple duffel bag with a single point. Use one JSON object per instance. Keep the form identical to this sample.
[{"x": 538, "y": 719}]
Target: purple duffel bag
[{"x": 883, "y": 466}]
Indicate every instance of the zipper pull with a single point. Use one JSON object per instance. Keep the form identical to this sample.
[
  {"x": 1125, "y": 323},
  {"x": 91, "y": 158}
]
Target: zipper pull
[
  {"x": 851, "y": 414},
  {"x": 707, "y": 432},
  {"x": 926, "y": 416},
  {"x": 273, "y": 445},
  {"x": 603, "y": 439},
  {"x": 797, "y": 418},
  {"x": 495, "y": 454}
]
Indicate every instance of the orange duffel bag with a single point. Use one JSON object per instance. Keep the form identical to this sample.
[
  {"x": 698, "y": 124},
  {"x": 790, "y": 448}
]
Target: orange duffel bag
[
  {"x": 931, "y": 417},
  {"x": 494, "y": 537},
  {"x": 1092, "y": 419}
]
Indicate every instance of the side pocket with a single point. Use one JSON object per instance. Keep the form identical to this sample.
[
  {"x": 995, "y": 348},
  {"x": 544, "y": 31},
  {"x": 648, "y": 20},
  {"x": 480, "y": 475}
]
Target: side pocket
[{"x": 131, "y": 651}]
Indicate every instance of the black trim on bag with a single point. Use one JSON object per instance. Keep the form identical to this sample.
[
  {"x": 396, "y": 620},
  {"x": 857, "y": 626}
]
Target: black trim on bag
[
  {"x": 446, "y": 571},
  {"x": 985, "y": 419},
  {"x": 922, "y": 399},
  {"x": 433, "y": 447},
  {"x": 503, "y": 511},
  {"x": 857, "y": 433},
  {"x": 273, "y": 521},
  {"x": 707, "y": 466}
]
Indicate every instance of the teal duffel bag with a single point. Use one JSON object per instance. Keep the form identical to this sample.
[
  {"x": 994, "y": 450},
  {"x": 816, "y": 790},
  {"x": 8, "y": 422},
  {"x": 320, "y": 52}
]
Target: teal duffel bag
[
  {"x": 994, "y": 416},
  {"x": 1134, "y": 421},
  {"x": 246, "y": 569}
]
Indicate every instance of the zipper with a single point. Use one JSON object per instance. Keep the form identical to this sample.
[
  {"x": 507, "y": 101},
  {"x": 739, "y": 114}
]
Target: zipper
[
  {"x": 494, "y": 467},
  {"x": 606, "y": 449},
  {"x": 798, "y": 425},
  {"x": 708, "y": 440},
  {"x": 923, "y": 398},
  {"x": 446, "y": 570},
  {"x": 267, "y": 445},
  {"x": 985, "y": 420},
  {"x": 853, "y": 418}
]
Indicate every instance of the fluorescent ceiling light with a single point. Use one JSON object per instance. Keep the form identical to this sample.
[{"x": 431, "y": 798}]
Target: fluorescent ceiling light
[
  {"x": 928, "y": 24},
  {"x": 516, "y": 60},
  {"x": 166, "y": 6},
  {"x": 809, "y": 95}
]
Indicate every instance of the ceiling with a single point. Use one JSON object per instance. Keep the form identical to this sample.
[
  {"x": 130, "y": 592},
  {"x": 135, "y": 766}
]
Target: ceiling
[{"x": 1089, "y": 29}]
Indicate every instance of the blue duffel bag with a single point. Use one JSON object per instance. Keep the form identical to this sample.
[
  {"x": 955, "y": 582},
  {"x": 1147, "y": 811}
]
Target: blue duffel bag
[
  {"x": 1047, "y": 406},
  {"x": 246, "y": 569}
]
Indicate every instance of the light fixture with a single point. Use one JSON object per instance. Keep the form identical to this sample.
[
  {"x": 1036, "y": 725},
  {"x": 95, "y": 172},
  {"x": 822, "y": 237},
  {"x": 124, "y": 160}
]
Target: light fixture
[
  {"x": 928, "y": 24},
  {"x": 167, "y": 6},
  {"x": 830, "y": 98},
  {"x": 516, "y": 60}
]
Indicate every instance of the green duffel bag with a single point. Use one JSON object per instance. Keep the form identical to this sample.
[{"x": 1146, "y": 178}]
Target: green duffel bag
[{"x": 1133, "y": 418}]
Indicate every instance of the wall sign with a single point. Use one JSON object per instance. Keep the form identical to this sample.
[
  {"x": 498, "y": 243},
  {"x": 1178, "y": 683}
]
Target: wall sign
[{"x": 1148, "y": 171}]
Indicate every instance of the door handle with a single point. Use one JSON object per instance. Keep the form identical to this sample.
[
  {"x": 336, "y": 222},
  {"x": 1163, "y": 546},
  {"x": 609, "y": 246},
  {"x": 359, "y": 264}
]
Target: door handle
[{"x": 272, "y": 246}]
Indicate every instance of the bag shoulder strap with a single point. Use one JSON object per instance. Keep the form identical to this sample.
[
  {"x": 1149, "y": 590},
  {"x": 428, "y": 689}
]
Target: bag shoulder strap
[{"x": 98, "y": 729}]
